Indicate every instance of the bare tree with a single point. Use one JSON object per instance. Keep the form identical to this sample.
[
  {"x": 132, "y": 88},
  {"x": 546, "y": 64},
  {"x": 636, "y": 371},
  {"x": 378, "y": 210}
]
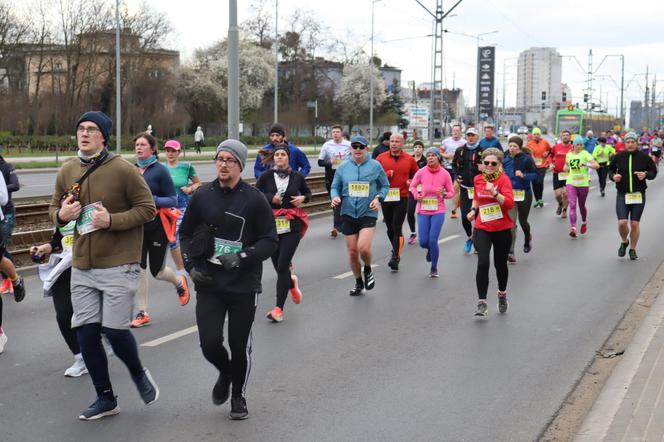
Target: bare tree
[{"x": 258, "y": 27}]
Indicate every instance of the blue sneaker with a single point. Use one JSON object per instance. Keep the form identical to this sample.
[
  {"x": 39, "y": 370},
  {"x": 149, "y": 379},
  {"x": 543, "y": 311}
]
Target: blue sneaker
[
  {"x": 468, "y": 246},
  {"x": 147, "y": 388},
  {"x": 102, "y": 407}
]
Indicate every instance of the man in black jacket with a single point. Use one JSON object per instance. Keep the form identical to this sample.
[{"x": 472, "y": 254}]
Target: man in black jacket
[
  {"x": 629, "y": 170},
  {"x": 238, "y": 218}
]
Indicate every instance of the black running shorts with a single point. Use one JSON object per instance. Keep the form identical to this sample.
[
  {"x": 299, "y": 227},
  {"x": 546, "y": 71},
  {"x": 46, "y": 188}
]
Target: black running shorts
[
  {"x": 631, "y": 212},
  {"x": 352, "y": 226}
]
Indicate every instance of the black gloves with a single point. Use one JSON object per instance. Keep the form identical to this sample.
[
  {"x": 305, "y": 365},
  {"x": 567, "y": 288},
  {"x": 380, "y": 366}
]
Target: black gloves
[
  {"x": 229, "y": 261},
  {"x": 199, "y": 277}
]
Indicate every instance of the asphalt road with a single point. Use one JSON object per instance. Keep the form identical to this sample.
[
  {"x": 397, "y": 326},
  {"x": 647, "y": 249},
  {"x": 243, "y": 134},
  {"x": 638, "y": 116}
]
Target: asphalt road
[{"x": 407, "y": 361}]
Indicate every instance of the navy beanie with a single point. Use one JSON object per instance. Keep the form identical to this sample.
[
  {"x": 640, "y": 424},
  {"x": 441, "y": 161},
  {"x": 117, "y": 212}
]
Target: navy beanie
[{"x": 103, "y": 122}]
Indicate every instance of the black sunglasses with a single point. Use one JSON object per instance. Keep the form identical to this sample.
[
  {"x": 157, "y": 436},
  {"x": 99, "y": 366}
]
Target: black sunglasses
[
  {"x": 357, "y": 146},
  {"x": 491, "y": 163}
]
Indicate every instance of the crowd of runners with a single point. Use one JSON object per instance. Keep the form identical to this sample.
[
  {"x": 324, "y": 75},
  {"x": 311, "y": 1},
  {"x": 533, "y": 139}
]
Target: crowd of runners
[{"x": 114, "y": 220}]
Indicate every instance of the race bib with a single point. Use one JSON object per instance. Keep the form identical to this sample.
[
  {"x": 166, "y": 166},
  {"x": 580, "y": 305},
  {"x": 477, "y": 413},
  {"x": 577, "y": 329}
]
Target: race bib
[
  {"x": 471, "y": 192},
  {"x": 634, "y": 198},
  {"x": 539, "y": 161},
  {"x": 283, "y": 225},
  {"x": 393, "y": 195},
  {"x": 430, "y": 204},
  {"x": 223, "y": 247},
  {"x": 84, "y": 222},
  {"x": 68, "y": 242},
  {"x": 576, "y": 180},
  {"x": 490, "y": 212},
  {"x": 336, "y": 162},
  {"x": 562, "y": 176},
  {"x": 519, "y": 195},
  {"x": 359, "y": 189},
  {"x": 419, "y": 188}
]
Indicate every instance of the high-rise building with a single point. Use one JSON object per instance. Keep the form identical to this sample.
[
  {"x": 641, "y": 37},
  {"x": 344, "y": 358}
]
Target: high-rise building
[{"x": 539, "y": 80}]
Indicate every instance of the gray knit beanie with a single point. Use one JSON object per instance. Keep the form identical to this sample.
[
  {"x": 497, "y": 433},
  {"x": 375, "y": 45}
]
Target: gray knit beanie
[{"x": 235, "y": 148}]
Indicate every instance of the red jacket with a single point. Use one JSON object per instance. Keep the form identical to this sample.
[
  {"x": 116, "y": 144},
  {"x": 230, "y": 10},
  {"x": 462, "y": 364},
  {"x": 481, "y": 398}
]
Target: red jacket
[
  {"x": 484, "y": 199},
  {"x": 400, "y": 170}
]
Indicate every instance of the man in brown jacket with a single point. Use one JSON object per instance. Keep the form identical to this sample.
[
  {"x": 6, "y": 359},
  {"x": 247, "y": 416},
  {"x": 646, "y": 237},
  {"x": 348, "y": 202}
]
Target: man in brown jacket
[{"x": 110, "y": 202}]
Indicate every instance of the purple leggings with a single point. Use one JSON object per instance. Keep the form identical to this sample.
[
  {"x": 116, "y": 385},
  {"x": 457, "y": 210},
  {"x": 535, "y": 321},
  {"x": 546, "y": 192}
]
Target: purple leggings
[{"x": 572, "y": 194}]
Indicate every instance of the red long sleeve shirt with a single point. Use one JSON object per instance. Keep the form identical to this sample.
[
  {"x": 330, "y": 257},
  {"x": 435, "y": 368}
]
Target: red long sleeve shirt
[
  {"x": 399, "y": 170},
  {"x": 492, "y": 217}
]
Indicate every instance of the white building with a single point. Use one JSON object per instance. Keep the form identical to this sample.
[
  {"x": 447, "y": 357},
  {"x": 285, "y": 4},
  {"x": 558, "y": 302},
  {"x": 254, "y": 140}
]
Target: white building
[{"x": 539, "y": 80}]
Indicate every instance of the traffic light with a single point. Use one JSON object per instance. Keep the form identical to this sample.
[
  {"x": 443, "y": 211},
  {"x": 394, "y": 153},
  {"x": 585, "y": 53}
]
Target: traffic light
[
  {"x": 585, "y": 98},
  {"x": 564, "y": 96},
  {"x": 543, "y": 106},
  {"x": 543, "y": 95}
]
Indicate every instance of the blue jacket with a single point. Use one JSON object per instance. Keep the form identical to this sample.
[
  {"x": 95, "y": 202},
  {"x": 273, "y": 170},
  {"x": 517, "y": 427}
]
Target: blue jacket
[
  {"x": 526, "y": 165},
  {"x": 298, "y": 161},
  {"x": 590, "y": 144},
  {"x": 369, "y": 171},
  {"x": 161, "y": 185},
  {"x": 493, "y": 142}
]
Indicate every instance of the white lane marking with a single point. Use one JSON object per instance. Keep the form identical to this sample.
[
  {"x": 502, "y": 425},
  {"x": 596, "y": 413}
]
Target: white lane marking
[
  {"x": 347, "y": 274},
  {"x": 447, "y": 238},
  {"x": 171, "y": 337}
]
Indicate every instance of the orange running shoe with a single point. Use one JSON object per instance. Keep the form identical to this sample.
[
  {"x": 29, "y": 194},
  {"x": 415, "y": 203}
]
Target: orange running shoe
[
  {"x": 7, "y": 287},
  {"x": 295, "y": 293},
  {"x": 276, "y": 315},
  {"x": 142, "y": 319},
  {"x": 183, "y": 290}
]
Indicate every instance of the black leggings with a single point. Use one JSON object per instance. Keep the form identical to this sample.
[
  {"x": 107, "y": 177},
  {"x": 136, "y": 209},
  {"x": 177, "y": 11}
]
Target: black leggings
[
  {"x": 211, "y": 309},
  {"x": 602, "y": 172},
  {"x": 155, "y": 245},
  {"x": 336, "y": 211},
  {"x": 281, "y": 259},
  {"x": 521, "y": 210},
  {"x": 465, "y": 203},
  {"x": 395, "y": 214},
  {"x": 412, "y": 205},
  {"x": 483, "y": 241},
  {"x": 61, "y": 294},
  {"x": 538, "y": 183}
]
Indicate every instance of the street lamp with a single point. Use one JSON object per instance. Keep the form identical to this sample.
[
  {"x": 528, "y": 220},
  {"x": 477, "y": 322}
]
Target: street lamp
[
  {"x": 371, "y": 73},
  {"x": 233, "y": 72},
  {"x": 118, "y": 83}
]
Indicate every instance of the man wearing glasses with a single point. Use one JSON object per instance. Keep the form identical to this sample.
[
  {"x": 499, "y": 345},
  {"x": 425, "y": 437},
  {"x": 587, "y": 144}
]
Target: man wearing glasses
[
  {"x": 466, "y": 165},
  {"x": 359, "y": 186},
  {"x": 109, "y": 201},
  {"x": 225, "y": 235}
]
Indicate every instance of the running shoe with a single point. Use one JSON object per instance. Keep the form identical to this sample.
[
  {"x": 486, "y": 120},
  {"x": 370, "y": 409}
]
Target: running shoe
[
  {"x": 359, "y": 287},
  {"x": 454, "y": 215},
  {"x": 142, "y": 319},
  {"x": 572, "y": 232},
  {"x": 468, "y": 246},
  {"x": 276, "y": 315},
  {"x": 602, "y": 193},
  {"x": 412, "y": 239},
  {"x": 502, "y": 302},
  {"x": 147, "y": 387},
  {"x": 102, "y": 407},
  {"x": 584, "y": 228},
  {"x": 369, "y": 280},
  {"x": 238, "y": 408},
  {"x": 632, "y": 255},
  {"x": 564, "y": 215},
  {"x": 77, "y": 369},
  {"x": 511, "y": 258},
  {"x": 481, "y": 309},
  {"x": 622, "y": 249},
  {"x": 394, "y": 263},
  {"x": 295, "y": 293},
  {"x": 3, "y": 340},
  {"x": 559, "y": 210},
  {"x": 19, "y": 289},
  {"x": 6, "y": 288},
  {"x": 434, "y": 273},
  {"x": 183, "y": 290},
  {"x": 221, "y": 389},
  {"x": 333, "y": 233},
  {"x": 528, "y": 245}
]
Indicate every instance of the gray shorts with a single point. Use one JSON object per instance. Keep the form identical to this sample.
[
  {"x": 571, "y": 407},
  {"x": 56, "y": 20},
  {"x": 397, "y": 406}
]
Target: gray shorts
[{"x": 104, "y": 296}]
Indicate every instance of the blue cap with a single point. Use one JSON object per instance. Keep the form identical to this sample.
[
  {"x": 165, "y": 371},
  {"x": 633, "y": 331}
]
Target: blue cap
[
  {"x": 579, "y": 140},
  {"x": 359, "y": 139}
]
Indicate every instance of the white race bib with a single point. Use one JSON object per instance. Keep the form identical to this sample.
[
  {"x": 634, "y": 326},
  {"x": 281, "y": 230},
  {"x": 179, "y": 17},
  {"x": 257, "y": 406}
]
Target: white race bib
[
  {"x": 358, "y": 189},
  {"x": 539, "y": 161},
  {"x": 562, "y": 176},
  {"x": 634, "y": 198},
  {"x": 576, "y": 180},
  {"x": 393, "y": 195},
  {"x": 336, "y": 162},
  {"x": 283, "y": 225},
  {"x": 429, "y": 204},
  {"x": 223, "y": 247},
  {"x": 519, "y": 195},
  {"x": 490, "y": 212},
  {"x": 471, "y": 192},
  {"x": 84, "y": 222}
]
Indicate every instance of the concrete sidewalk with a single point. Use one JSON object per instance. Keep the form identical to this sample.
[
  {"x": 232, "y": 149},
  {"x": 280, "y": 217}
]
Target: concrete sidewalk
[{"x": 631, "y": 404}]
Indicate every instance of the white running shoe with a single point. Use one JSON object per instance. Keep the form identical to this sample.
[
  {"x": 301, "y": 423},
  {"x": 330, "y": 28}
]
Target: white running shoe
[
  {"x": 3, "y": 340},
  {"x": 78, "y": 368}
]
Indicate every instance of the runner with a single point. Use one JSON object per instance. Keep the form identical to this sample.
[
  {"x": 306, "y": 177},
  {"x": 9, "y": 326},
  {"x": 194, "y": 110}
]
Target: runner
[
  {"x": 541, "y": 150},
  {"x": 110, "y": 202},
  {"x": 629, "y": 170},
  {"x": 358, "y": 187},
  {"x": 489, "y": 140},
  {"x": 577, "y": 163},
  {"x": 155, "y": 242},
  {"x": 400, "y": 167},
  {"x": 332, "y": 154},
  {"x": 656, "y": 151},
  {"x": 298, "y": 160},
  {"x": 383, "y": 145},
  {"x": 9, "y": 211},
  {"x": 421, "y": 160},
  {"x": 286, "y": 191},
  {"x": 521, "y": 169},
  {"x": 466, "y": 167},
  {"x": 448, "y": 149},
  {"x": 431, "y": 185},
  {"x": 590, "y": 142},
  {"x": 603, "y": 153},
  {"x": 558, "y": 154},
  {"x": 199, "y": 138},
  {"x": 56, "y": 276},
  {"x": 492, "y": 201},
  {"x": 226, "y": 234}
]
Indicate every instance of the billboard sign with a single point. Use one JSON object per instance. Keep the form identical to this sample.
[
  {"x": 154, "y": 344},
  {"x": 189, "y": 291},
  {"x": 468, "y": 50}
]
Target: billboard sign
[{"x": 486, "y": 70}]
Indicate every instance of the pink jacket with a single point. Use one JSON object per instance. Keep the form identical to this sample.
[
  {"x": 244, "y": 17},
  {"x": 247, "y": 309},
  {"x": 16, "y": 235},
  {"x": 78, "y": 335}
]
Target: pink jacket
[{"x": 432, "y": 182}]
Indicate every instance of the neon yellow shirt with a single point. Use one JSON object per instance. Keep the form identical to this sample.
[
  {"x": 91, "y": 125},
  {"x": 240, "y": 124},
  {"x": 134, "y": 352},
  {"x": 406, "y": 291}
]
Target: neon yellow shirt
[
  {"x": 578, "y": 169},
  {"x": 603, "y": 155}
]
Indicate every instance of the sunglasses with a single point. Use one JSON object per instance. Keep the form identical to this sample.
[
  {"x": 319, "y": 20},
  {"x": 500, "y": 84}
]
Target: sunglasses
[
  {"x": 490, "y": 163},
  {"x": 357, "y": 146}
]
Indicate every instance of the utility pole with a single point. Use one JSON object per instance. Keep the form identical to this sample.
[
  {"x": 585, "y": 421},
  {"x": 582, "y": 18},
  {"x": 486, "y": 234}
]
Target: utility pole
[
  {"x": 653, "y": 109},
  {"x": 233, "y": 72},
  {"x": 590, "y": 86},
  {"x": 645, "y": 101},
  {"x": 118, "y": 82},
  {"x": 276, "y": 61}
]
